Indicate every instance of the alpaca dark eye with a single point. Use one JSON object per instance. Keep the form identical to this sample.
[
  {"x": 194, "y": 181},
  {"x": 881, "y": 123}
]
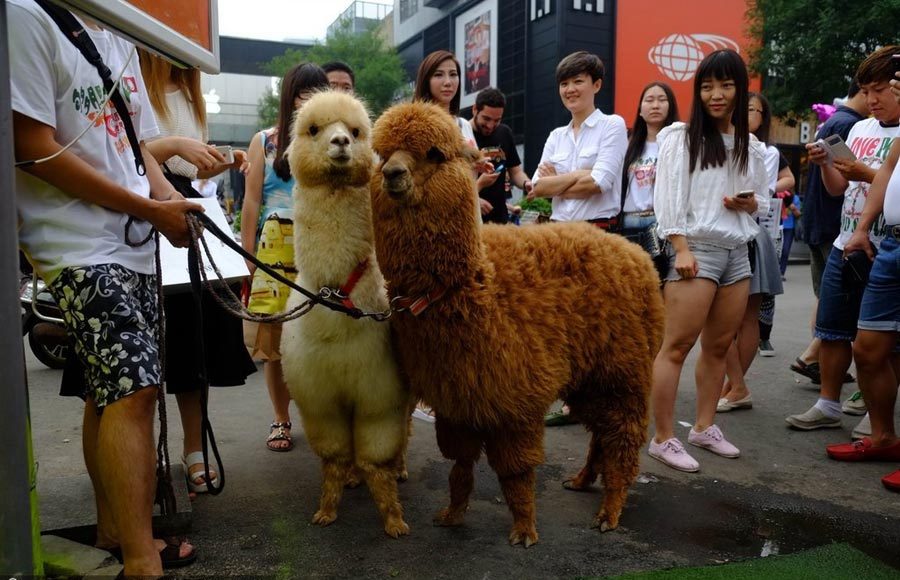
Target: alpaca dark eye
[
  {"x": 436, "y": 155},
  {"x": 355, "y": 133},
  {"x": 313, "y": 130}
]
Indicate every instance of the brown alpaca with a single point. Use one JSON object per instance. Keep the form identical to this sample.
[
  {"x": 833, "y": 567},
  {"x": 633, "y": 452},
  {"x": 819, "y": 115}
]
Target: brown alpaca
[{"x": 514, "y": 318}]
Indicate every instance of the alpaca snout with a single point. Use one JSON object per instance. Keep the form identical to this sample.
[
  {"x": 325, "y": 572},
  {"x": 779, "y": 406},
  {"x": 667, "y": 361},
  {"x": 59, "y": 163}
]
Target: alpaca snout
[
  {"x": 396, "y": 180},
  {"x": 393, "y": 172}
]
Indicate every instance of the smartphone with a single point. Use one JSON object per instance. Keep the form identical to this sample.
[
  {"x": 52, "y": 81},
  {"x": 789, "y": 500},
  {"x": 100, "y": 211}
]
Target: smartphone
[
  {"x": 500, "y": 167},
  {"x": 896, "y": 60},
  {"x": 226, "y": 152},
  {"x": 745, "y": 194},
  {"x": 838, "y": 148}
]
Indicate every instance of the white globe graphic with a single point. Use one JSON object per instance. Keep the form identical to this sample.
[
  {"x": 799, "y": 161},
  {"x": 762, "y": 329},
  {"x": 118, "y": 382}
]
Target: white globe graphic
[{"x": 677, "y": 56}]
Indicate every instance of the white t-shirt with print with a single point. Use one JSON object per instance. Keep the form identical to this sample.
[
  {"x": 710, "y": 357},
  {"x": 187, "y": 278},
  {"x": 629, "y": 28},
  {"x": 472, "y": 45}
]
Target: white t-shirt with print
[
  {"x": 771, "y": 219},
  {"x": 892, "y": 199},
  {"x": 54, "y": 84},
  {"x": 641, "y": 177},
  {"x": 870, "y": 142}
]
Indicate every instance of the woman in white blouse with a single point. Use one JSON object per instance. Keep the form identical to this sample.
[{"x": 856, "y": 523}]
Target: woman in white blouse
[{"x": 710, "y": 182}]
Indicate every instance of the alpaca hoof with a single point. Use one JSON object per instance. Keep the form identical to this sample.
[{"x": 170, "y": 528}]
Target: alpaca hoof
[
  {"x": 396, "y": 528},
  {"x": 448, "y": 518},
  {"x": 527, "y": 538},
  {"x": 575, "y": 485},
  {"x": 324, "y": 518},
  {"x": 353, "y": 482},
  {"x": 402, "y": 476},
  {"x": 605, "y": 523}
]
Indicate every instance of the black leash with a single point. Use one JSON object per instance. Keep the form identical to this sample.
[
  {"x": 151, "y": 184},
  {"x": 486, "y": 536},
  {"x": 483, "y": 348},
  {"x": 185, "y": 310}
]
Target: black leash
[
  {"x": 327, "y": 297},
  {"x": 207, "y": 437}
]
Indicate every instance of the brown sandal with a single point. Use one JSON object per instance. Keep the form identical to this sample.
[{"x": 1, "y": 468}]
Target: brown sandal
[{"x": 280, "y": 432}]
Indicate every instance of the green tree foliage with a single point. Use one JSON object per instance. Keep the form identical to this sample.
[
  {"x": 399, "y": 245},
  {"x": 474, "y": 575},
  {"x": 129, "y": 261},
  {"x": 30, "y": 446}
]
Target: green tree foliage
[
  {"x": 809, "y": 49},
  {"x": 378, "y": 69}
]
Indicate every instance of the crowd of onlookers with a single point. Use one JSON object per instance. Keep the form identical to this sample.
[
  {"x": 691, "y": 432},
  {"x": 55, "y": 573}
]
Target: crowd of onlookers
[{"x": 710, "y": 199}]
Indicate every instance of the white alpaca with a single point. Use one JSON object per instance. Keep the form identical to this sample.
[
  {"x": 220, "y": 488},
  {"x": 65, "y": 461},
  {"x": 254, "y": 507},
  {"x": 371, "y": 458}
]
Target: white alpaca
[{"x": 340, "y": 370}]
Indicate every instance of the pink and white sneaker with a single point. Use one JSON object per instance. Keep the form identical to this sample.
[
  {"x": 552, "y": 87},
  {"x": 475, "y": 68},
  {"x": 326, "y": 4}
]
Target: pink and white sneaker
[
  {"x": 672, "y": 453},
  {"x": 713, "y": 440}
]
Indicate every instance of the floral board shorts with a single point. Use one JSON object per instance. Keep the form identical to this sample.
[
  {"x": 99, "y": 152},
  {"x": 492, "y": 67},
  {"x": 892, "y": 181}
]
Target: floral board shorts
[{"x": 111, "y": 316}]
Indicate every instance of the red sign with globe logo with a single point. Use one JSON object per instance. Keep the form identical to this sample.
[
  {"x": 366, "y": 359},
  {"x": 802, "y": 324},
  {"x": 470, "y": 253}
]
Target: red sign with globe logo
[{"x": 670, "y": 46}]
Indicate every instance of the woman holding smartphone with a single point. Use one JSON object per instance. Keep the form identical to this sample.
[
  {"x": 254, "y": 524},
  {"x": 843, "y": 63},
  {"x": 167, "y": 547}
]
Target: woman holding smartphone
[{"x": 710, "y": 183}]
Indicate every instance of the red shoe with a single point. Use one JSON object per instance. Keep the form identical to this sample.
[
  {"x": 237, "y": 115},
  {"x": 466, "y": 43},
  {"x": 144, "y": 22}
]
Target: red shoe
[
  {"x": 892, "y": 481},
  {"x": 863, "y": 450}
]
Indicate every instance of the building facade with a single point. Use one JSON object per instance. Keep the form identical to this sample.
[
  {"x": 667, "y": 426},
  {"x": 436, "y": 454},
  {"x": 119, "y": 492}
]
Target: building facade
[
  {"x": 359, "y": 17},
  {"x": 232, "y": 97},
  {"x": 515, "y": 46}
]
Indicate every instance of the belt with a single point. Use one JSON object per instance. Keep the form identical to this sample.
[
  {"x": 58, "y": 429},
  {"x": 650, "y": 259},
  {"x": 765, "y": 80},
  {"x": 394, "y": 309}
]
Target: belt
[
  {"x": 645, "y": 213},
  {"x": 892, "y": 231},
  {"x": 605, "y": 223}
]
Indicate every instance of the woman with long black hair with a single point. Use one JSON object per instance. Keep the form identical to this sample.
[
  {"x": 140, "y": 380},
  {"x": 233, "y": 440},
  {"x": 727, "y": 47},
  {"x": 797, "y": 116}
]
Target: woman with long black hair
[
  {"x": 657, "y": 109},
  {"x": 710, "y": 182}
]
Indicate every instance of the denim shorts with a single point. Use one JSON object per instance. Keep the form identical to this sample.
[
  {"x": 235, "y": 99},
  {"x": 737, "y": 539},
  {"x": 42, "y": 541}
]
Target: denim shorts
[
  {"x": 111, "y": 316},
  {"x": 880, "y": 308},
  {"x": 722, "y": 266},
  {"x": 838, "y": 311}
]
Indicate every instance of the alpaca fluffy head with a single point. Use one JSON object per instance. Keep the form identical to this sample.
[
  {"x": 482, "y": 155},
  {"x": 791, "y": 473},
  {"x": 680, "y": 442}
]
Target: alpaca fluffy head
[
  {"x": 330, "y": 141},
  {"x": 418, "y": 143}
]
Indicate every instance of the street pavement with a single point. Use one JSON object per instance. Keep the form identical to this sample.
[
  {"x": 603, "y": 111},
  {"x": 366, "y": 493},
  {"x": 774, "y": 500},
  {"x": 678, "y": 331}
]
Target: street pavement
[{"x": 782, "y": 495}]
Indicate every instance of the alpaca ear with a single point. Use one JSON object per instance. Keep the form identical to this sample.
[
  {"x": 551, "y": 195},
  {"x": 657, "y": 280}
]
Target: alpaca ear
[{"x": 435, "y": 155}]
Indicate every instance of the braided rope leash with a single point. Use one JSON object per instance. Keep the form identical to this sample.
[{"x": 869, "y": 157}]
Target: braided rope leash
[{"x": 165, "y": 493}]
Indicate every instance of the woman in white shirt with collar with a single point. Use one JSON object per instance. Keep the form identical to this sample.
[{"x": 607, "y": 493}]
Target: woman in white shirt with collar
[{"x": 710, "y": 182}]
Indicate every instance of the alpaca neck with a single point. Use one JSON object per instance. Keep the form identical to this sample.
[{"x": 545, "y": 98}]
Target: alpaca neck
[
  {"x": 332, "y": 234},
  {"x": 426, "y": 254}
]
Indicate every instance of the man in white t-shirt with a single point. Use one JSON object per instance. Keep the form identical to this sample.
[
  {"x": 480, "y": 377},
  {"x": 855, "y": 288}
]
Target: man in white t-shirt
[
  {"x": 73, "y": 205},
  {"x": 875, "y": 348},
  {"x": 581, "y": 166},
  {"x": 839, "y": 299}
]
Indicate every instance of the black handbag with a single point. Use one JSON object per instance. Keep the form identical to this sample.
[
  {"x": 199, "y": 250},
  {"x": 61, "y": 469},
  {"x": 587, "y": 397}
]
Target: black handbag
[{"x": 655, "y": 248}]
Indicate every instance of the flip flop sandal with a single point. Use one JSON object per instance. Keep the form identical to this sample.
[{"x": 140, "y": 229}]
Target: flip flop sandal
[
  {"x": 170, "y": 555},
  {"x": 808, "y": 370},
  {"x": 280, "y": 432},
  {"x": 192, "y": 476}
]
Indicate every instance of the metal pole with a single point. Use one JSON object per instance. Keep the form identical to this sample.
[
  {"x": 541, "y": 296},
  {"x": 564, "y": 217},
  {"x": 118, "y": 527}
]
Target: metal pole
[{"x": 19, "y": 533}]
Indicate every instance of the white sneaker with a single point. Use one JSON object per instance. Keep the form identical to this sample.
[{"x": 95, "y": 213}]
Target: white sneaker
[
  {"x": 672, "y": 453},
  {"x": 855, "y": 405},
  {"x": 423, "y": 415},
  {"x": 713, "y": 440},
  {"x": 864, "y": 429}
]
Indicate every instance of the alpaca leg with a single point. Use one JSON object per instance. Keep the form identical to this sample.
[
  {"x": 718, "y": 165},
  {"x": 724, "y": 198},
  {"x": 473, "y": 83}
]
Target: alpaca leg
[
  {"x": 622, "y": 434},
  {"x": 463, "y": 446},
  {"x": 334, "y": 476},
  {"x": 354, "y": 478},
  {"x": 401, "y": 469},
  {"x": 378, "y": 441},
  {"x": 514, "y": 457},
  {"x": 329, "y": 435},
  {"x": 588, "y": 474},
  {"x": 382, "y": 482}
]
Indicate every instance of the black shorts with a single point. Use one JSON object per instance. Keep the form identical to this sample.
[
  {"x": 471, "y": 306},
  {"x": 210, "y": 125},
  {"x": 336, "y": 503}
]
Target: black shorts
[{"x": 111, "y": 316}]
